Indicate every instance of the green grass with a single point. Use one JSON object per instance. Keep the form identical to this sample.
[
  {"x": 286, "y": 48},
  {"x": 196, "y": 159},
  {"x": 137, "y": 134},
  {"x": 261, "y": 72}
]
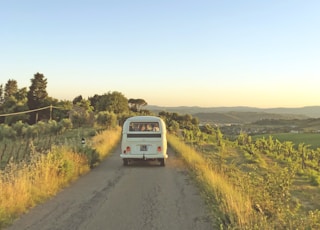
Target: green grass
[
  {"x": 277, "y": 194},
  {"x": 312, "y": 139}
]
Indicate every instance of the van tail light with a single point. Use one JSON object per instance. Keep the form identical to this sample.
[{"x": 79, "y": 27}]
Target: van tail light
[
  {"x": 159, "y": 149},
  {"x": 128, "y": 149}
]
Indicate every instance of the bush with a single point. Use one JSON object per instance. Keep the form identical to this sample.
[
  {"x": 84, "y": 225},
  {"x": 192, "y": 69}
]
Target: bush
[
  {"x": 7, "y": 132},
  {"x": 314, "y": 177},
  {"x": 18, "y": 127},
  {"x": 91, "y": 154},
  {"x": 107, "y": 119},
  {"x": 66, "y": 123}
]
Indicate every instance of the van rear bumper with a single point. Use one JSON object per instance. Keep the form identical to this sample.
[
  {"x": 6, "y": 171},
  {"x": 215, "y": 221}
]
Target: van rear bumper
[{"x": 144, "y": 156}]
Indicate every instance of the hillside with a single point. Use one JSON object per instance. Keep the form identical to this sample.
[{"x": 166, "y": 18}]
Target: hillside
[
  {"x": 240, "y": 115},
  {"x": 243, "y": 117},
  {"x": 307, "y": 111}
]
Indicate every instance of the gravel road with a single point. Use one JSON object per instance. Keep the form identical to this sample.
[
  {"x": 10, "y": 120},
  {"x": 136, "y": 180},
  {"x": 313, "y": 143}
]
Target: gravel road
[{"x": 142, "y": 196}]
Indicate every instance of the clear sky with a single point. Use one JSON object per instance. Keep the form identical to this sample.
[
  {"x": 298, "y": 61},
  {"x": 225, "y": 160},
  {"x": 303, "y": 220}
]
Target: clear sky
[{"x": 169, "y": 52}]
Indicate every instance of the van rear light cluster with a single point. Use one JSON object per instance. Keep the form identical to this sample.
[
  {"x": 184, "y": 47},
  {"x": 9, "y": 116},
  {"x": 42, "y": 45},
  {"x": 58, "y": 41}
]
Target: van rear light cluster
[
  {"x": 127, "y": 150},
  {"x": 159, "y": 149}
]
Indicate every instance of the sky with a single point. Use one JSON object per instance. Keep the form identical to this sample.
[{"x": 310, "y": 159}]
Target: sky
[{"x": 170, "y": 53}]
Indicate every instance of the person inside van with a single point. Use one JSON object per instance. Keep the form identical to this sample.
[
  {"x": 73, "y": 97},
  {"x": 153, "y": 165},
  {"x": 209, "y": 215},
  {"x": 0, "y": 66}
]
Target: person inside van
[
  {"x": 149, "y": 127},
  {"x": 143, "y": 128},
  {"x": 156, "y": 128}
]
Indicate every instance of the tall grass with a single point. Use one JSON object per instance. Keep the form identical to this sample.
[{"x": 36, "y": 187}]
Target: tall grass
[
  {"x": 231, "y": 201},
  {"x": 26, "y": 184},
  {"x": 105, "y": 141}
]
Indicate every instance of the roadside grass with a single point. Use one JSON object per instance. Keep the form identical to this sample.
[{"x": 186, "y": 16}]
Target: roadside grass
[
  {"x": 251, "y": 191},
  {"x": 234, "y": 206},
  {"x": 24, "y": 185},
  {"x": 18, "y": 149},
  {"x": 106, "y": 141}
]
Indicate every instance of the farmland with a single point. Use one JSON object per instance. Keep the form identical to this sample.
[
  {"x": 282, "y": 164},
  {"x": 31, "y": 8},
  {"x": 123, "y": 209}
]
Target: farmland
[
  {"x": 312, "y": 139},
  {"x": 258, "y": 183},
  {"x": 265, "y": 181}
]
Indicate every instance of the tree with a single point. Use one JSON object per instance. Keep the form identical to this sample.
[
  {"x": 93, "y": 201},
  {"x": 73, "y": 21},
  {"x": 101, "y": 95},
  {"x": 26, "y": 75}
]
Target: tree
[
  {"x": 107, "y": 119},
  {"x": 77, "y": 99},
  {"x": 136, "y": 104},
  {"x": 174, "y": 127},
  {"x": 112, "y": 102},
  {"x": 82, "y": 113},
  {"x": 37, "y": 95},
  {"x": 1, "y": 94},
  {"x": 12, "y": 105},
  {"x": 61, "y": 110},
  {"x": 1, "y": 103},
  {"x": 21, "y": 94},
  {"x": 94, "y": 100},
  {"x": 10, "y": 89},
  {"x": 207, "y": 128},
  {"x": 14, "y": 101},
  {"x": 118, "y": 103}
]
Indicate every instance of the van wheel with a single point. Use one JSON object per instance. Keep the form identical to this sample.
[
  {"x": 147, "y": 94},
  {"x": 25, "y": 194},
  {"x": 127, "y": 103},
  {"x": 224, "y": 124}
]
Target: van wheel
[
  {"x": 163, "y": 162},
  {"x": 125, "y": 162}
]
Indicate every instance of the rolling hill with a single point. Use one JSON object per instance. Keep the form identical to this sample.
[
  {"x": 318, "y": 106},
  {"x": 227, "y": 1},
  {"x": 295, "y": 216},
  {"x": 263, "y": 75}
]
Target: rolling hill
[{"x": 240, "y": 114}]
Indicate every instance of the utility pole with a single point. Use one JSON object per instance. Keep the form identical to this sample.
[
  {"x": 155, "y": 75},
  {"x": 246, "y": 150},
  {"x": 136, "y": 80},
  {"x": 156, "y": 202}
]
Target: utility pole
[{"x": 50, "y": 112}]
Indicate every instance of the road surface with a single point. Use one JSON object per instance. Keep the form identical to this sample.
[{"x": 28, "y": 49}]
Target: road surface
[{"x": 142, "y": 196}]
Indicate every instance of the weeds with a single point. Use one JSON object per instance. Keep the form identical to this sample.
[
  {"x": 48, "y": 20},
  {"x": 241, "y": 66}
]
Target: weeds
[
  {"x": 24, "y": 185},
  {"x": 248, "y": 190},
  {"x": 232, "y": 202},
  {"x": 29, "y": 182},
  {"x": 105, "y": 141}
]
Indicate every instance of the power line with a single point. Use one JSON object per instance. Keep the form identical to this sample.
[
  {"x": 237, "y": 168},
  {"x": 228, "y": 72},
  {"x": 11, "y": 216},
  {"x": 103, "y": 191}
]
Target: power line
[{"x": 30, "y": 111}]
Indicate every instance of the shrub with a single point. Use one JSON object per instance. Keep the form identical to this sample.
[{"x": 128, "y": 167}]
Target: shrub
[
  {"x": 66, "y": 123},
  {"x": 108, "y": 119},
  {"x": 91, "y": 154},
  {"x": 314, "y": 177}
]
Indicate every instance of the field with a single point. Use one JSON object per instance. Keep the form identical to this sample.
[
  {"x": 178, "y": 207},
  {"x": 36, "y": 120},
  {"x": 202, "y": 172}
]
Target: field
[
  {"x": 312, "y": 139},
  {"x": 35, "y": 170},
  {"x": 257, "y": 182},
  {"x": 20, "y": 149},
  {"x": 252, "y": 182}
]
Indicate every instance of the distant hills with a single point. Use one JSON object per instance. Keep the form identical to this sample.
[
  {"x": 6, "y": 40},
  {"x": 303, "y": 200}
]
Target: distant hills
[{"x": 240, "y": 114}]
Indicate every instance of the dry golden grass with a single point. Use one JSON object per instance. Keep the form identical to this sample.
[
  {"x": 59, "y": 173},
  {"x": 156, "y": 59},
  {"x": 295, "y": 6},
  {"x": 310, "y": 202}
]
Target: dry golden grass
[
  {"x": 235, "y": 203},
  {"x": 105, "y": 141},
  {"x": 25, "y": 185}
]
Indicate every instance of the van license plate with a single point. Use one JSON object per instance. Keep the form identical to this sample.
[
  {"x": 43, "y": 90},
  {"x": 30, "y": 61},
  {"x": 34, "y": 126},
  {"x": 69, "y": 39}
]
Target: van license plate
[{"x": 143, "y": 148}]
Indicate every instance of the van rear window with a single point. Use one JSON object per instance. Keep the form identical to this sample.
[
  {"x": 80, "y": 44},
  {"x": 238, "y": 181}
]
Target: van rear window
[
  {"x": 144, "y": 126},
  {"x": 139, "y": 135}
]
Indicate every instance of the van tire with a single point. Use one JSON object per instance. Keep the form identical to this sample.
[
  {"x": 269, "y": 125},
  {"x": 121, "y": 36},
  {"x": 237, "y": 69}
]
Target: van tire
[
  {"x": 163, "y": 162},
  {"x": 125, "y": 162}
]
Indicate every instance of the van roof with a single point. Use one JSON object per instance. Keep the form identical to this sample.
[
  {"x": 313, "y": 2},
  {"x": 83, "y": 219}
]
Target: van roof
[{"x": 144, "y": 118}]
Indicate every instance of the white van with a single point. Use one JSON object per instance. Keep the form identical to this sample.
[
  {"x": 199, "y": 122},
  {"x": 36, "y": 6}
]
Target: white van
[{"x": 144, "y": 137}]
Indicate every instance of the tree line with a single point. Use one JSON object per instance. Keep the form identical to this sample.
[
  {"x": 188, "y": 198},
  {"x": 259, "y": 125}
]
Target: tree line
[
  {"x": 26, "y": 104},
  {"x": 22, "y": 109}
]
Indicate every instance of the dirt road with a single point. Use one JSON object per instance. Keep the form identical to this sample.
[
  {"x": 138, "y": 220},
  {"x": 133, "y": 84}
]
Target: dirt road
[{"x": 143, "y": 196}]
